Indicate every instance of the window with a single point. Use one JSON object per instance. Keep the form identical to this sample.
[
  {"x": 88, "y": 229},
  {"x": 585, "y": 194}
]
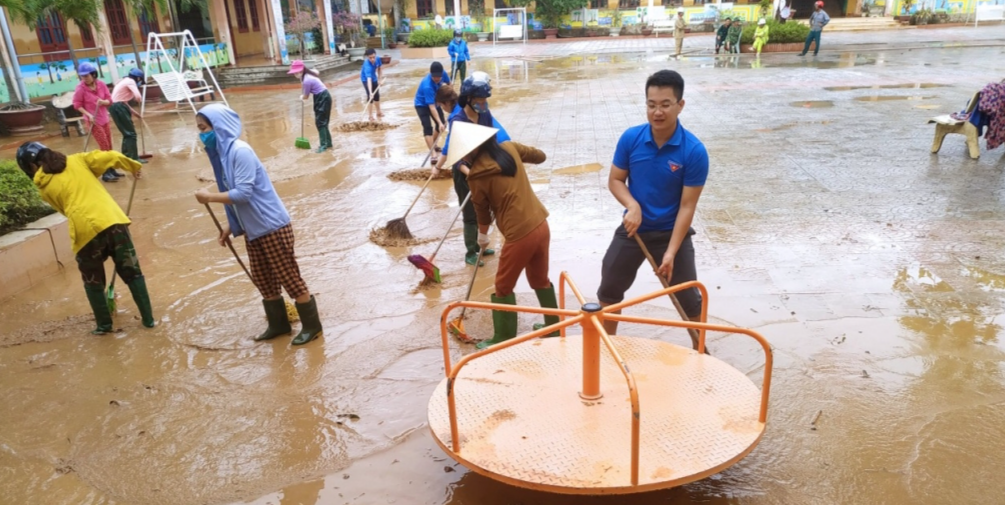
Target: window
[
  {"x": 51, "y": 32},
  {"x": 87, "y": 35},
  {"x": 148, "y": 24},
  {"x": 450, "y": 7},
  {"x": 628, "y": 4},
  {"x": 424, "y": 8},
  {"x": 118, "y": 24},
  {"x": 253, "y": 10},
  {"x": 598, "y": 4},
  {"x": 242, "y": 15}
]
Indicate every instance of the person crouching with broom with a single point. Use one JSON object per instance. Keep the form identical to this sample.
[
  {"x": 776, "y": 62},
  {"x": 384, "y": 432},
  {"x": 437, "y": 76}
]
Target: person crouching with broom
[
  {"x": 312, "y": 85},
  {"x": 98, "y": 227},
  {"x": 255, "y": 211},
  {"x": 500, "y": 187}
]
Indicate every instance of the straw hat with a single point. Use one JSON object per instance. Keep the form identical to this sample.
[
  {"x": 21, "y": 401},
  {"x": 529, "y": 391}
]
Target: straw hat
[{"x": 466, "y": 137}]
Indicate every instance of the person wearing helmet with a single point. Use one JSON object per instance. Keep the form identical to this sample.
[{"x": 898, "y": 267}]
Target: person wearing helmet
[
  {"x": 312, "y": 85},
  {"x": 760, "y": 35},
  {"x": 459, "y": 55},
  {"x": 255, "y": 210},
  {"x": 98, "y": 227},
  {"x": 471, "y": 106},
  {"x": 370, "y": 75},
  {"x": 818, "y": 20},
  {"x": 91, "y": 98},
  {"x": 721, "y": 34},
  {"x": 425, "y": 105},
  {"x": 678, "y": 30},
  {"x": 122, "y": 113}
]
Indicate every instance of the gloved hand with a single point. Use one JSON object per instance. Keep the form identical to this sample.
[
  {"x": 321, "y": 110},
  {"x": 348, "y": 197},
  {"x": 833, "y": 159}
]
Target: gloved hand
[{"x": 483, "y": 240}]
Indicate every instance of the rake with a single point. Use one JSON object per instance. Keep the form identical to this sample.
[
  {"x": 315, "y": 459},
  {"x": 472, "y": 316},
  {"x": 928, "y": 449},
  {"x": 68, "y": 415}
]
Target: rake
[{"x": 432, "y": 271}]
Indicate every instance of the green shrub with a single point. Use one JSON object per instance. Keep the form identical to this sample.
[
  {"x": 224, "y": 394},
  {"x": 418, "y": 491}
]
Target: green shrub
[
  {"x": 430, "y": 37},
  {"x": 20, "y": 202},
  {"x": 778, "y": 33}
]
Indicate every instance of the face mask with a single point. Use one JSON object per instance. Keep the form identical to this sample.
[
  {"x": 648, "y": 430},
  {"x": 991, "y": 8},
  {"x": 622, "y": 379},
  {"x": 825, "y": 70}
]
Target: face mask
[
  {"x": 208, "y": 138},
  {"x": 480, "y": 108},
  {"x": 458, "y": 39}
]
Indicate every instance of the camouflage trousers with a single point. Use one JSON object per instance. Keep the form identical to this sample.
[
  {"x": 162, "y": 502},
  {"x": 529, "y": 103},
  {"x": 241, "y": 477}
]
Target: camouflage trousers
[{"x": 113, "y": 242}]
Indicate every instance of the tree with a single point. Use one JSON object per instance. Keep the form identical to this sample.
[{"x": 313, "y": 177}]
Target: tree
[
  {"x": 302, "y": 24},
  {"x": 140, "y": 8},
  {"x": 45, "y": 65},
  {"x": 551, "y": 11}
]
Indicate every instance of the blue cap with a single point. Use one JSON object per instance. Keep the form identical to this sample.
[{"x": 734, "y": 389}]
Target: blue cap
[{"x": 86, "y": 68}]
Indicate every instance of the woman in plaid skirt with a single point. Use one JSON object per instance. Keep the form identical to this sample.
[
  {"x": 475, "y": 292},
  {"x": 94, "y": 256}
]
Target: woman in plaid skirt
[{"x": 255, "y": 211}]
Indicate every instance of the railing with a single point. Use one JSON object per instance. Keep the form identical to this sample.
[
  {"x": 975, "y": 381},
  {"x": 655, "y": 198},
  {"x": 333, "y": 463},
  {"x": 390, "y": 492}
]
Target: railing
[{"x": 591, "y": 317}]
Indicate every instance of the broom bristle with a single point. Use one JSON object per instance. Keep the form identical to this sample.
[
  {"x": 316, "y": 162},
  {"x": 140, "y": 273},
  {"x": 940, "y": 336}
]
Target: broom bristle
[
  {"x": 302, "y": 143},
  {"x": 426, "y": 266},
  {"x": 398, "y": 228}
]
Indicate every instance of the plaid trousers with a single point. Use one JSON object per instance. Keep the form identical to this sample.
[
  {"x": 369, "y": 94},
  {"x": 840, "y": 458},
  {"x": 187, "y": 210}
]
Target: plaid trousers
[{"x": 274, "y": 264}]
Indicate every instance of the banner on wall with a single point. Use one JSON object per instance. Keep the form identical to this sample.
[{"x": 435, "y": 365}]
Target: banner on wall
[
  {"x": 277, "y": 12},
  {"x": 327, "y": 11}
]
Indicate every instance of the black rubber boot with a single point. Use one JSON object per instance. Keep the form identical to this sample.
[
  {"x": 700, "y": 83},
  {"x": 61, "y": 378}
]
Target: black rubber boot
[
  {"x": 503, "y": 322},
  {"x": 546, "y": 297},
  {"x": 279, "y": 322},
  {"x": 99, "y": 306},
  {"x": 310, "y": 322},
  {"x": 138, "y": 287}
]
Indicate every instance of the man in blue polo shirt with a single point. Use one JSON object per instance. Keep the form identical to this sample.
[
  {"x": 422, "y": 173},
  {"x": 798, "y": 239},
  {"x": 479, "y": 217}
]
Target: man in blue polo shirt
[
  {"x": 658, "y": 173},
  {"x": 370, "y": 75},
  {"x": 425, "y": 104}
]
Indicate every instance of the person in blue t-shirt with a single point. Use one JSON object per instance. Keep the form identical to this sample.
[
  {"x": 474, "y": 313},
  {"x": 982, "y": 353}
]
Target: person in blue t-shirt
[
  {"x": 470, "y": 106},
  {"x": 658, "y": 173},
  {"x": 370, "y": 75},
  {"x": 425, "y": 105},
  {"x": 459, "y": 55}
]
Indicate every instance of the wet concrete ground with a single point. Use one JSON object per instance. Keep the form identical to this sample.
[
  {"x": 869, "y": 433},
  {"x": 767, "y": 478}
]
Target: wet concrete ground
[{"x": 873, "y": 267}]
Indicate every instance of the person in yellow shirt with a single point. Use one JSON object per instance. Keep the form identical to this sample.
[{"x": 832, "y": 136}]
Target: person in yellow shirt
[
  {"x": 98, "y": 227},
  {"x": 760, "y": 35}
]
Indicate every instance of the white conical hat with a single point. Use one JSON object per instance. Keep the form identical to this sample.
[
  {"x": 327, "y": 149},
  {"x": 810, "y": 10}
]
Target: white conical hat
[{"x": 466, "y": 137}]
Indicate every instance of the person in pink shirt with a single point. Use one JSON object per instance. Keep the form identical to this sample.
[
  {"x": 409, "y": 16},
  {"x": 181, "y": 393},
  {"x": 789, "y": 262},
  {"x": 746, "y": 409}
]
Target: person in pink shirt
[
  {"x": 91, "y": 99},
  {"x": 123, "y": 93}
]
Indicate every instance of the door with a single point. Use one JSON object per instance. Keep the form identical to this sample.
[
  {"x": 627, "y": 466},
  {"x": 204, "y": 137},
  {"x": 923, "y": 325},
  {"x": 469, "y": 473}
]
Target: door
[{"x": 51, "y": 32}]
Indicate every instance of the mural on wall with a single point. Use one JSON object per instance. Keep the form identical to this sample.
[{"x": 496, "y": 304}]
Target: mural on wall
[
  {"x": 58, "y": 77},
  {"x": 949, "y": 6}
]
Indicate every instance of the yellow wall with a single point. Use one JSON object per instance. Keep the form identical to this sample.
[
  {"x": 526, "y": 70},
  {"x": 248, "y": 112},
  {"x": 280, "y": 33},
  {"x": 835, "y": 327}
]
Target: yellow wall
[
  {"x": 250, "y": 42},
  {"x": 26, "y": 40}
]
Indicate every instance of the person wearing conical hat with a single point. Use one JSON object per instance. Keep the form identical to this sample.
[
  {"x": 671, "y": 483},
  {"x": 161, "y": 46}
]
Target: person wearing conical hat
[{"x": 500, "y": 189}]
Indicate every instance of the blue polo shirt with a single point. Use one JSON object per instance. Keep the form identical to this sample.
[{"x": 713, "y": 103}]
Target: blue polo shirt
[
  {"x": 369, "y": 70},
  {"x": 426, "y": 94},
  {"x": 501, "y": 135},
  {"x": 657, "y": 174}
]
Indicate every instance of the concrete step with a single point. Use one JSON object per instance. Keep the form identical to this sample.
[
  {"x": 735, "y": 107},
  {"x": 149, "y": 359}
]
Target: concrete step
[
  {"x": 276, "y": 74},
  {"x": 853, "y": 24}
]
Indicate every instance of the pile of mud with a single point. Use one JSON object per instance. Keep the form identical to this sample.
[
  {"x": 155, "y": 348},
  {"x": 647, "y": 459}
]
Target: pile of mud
[
  {"x": 382, "y": 237},
  {"x": 364, "y": 126},
  {"x": 416, "y": 174}
]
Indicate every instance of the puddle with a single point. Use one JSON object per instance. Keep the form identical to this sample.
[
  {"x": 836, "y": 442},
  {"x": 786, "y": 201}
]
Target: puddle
[
  {"x": 891, "y": 98},
  {"x": 813, "y": 104},
  {"x": 579, "y": 169},
  {"x": 919, "y": 85}
]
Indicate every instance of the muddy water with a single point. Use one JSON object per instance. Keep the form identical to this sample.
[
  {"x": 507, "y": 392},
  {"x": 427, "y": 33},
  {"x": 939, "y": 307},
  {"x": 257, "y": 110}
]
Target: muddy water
[{"x": 876, "y": 279}]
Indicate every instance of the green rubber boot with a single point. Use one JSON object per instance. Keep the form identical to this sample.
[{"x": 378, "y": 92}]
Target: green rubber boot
[
  {"x": 471, "y": 243},
  {"x": 546, "y": 297},
  {"x": 504, "y": 322},
  {"x": 311, "y": 323},
  {"x": 102, "y": 316},
  {"x": 138, "y": 287},
  {"x": 279, "y": 322}
]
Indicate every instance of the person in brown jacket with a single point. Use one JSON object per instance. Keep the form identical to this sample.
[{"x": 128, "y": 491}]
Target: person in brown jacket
[{"x": 500, "y": 188}]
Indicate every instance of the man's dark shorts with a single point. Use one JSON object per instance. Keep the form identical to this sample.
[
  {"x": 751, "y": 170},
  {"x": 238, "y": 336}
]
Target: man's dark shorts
[
  {"x": 427, "y": 119},
  {"x": 624, "y": 257}
]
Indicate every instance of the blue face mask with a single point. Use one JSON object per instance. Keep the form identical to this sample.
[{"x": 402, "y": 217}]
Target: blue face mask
[
  {"x": 208, "y": 139},
  {"x": 480, "y": 108}
]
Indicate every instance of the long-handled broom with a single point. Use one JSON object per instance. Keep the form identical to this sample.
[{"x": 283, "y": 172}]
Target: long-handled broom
[
  {"x": 431, "y": 270},
  {"x": 291, "y": 311},
  {"x": 456, "y": 326},
  {"x": 680, "y": 310},
  {"x": 302, "y": 141},
  {"x": 110, "y": 293},
  {"x": 398, "y": 227},
  {"x": 143, "y": 142}
]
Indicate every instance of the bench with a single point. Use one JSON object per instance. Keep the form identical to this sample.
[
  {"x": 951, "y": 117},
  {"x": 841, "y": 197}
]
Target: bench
[
  {"x": 946, "y": 124},
  {"x": 661, "y": 25},
  {"x": 986, "y": 12},
  {"x": 175, "y": 87},
  {"x": 198, "y": 84}
]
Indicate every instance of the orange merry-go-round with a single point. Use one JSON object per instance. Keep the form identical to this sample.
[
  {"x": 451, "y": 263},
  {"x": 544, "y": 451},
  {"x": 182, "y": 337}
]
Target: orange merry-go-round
[{"x": 595, "y": 413}]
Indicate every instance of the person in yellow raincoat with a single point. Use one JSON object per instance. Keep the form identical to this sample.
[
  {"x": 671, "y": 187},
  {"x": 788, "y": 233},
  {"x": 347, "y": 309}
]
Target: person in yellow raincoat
[
  {"x": 760, "y": 35},
  {"x": 98, "y": 227}
]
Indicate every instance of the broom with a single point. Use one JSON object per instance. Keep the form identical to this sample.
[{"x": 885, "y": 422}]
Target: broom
[
  {"x": 110, "y": 294},
  {"x": 680, "y": 310},
  {"x": 432, "y": 271},
  {"x": 398, "y": 227},
  {"x": 143, "y": 142},
  {"x": 456, "y": 326},
  {"x": 291, "y": 311},
  {"x": 301, "y": 142}
]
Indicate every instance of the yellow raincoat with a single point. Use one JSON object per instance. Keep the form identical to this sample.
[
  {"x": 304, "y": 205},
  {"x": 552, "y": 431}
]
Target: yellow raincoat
[
  {"x": 78, "y": 194},
  {"x": 760, "y": 38}
]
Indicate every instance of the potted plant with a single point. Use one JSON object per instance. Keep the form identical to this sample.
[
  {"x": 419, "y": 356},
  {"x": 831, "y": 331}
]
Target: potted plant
[
  {"x": 428, "y": 43},
  {"x": 392, "y": 43},
  {"x": 22, "y": 118},
  {"x": 615, "y": 23},
  {"x": 476, "y": 9},
  {"x": 299, "y": 26},
  {"x": 349, "y": 25},
  {"x": 551, "y": 11}
]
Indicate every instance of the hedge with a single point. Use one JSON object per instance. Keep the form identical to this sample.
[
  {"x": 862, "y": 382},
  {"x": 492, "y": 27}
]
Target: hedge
[
  {"x": 430, "y": 37},
  {"x": 20, "y": 202},
  {"x": 778, "y": 33}
]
